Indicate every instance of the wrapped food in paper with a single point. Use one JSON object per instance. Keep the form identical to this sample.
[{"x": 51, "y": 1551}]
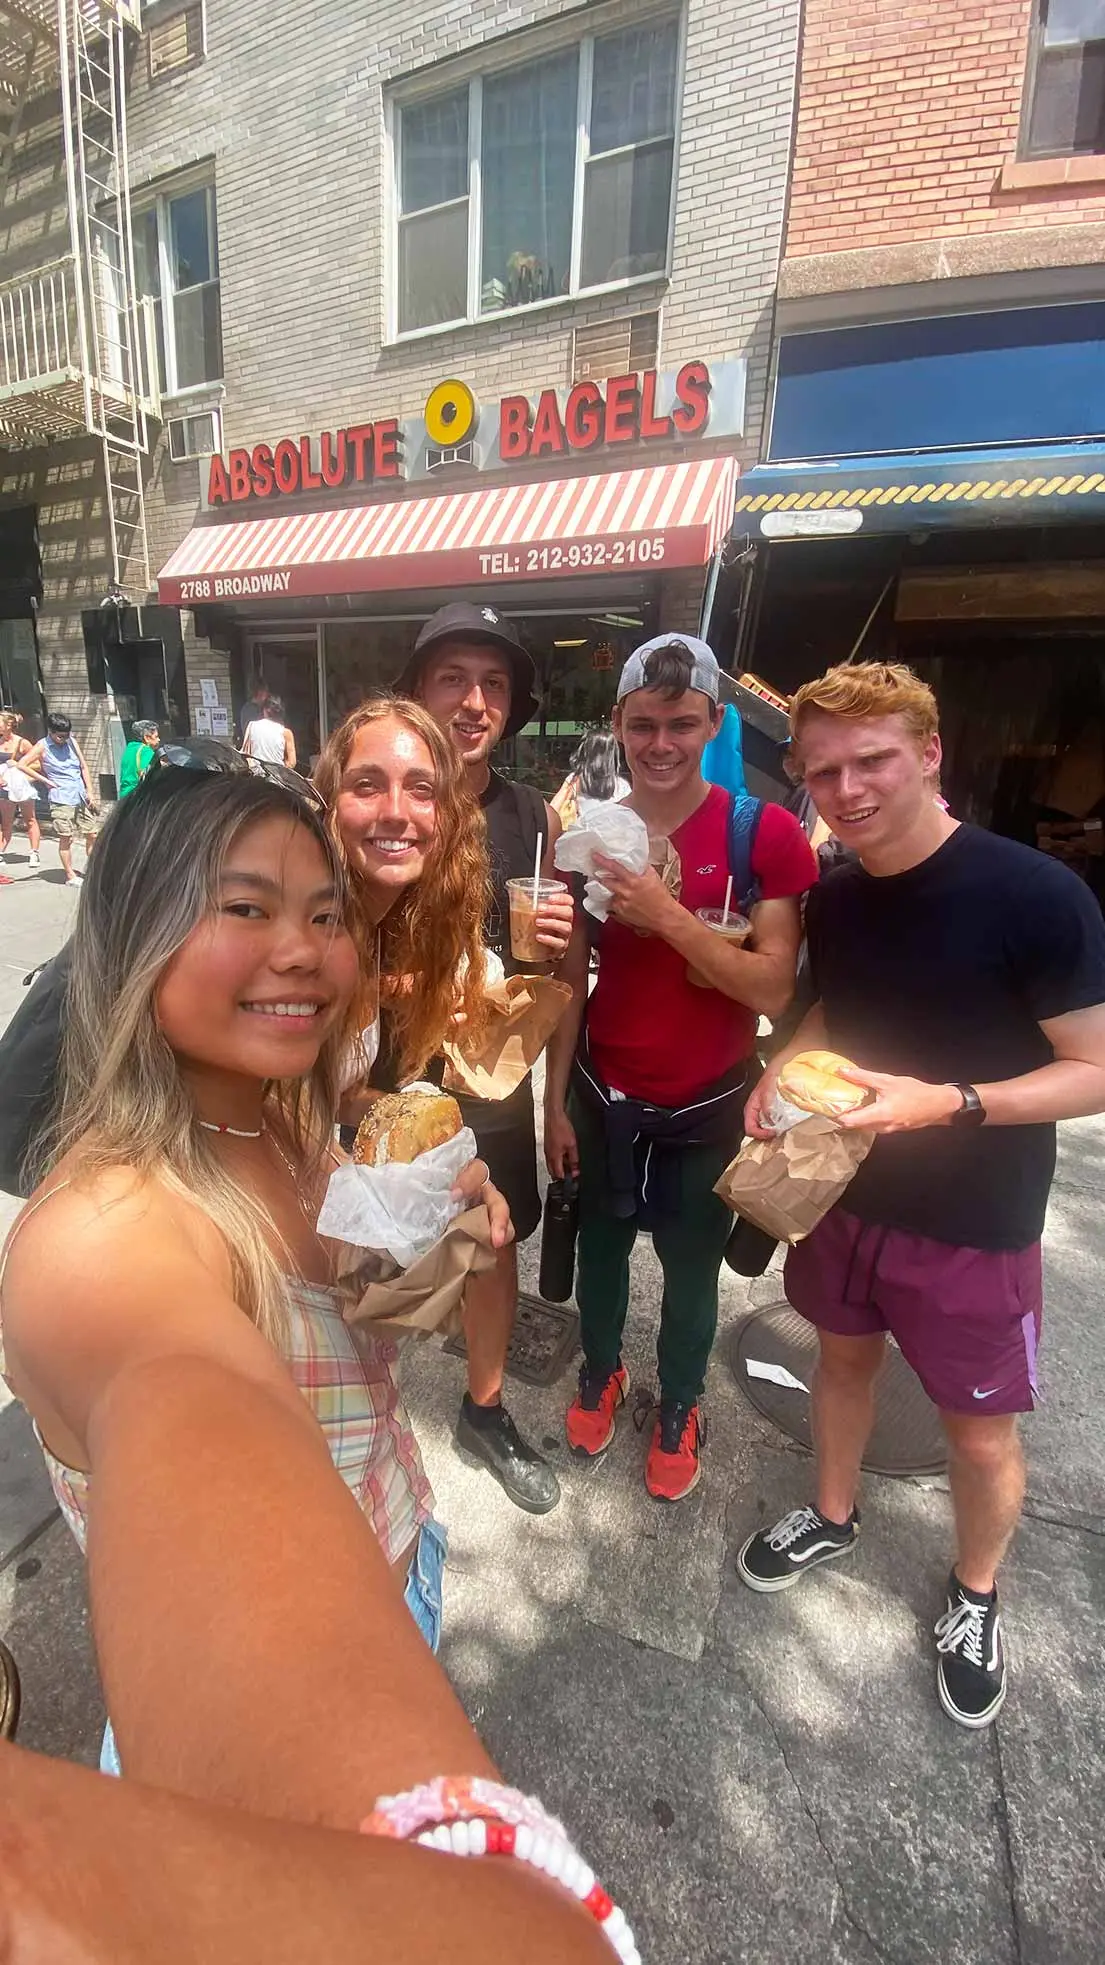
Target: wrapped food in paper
[
  {"x": 523, "y": 1013},
  {"x": 618, "y": 834},
  {"x": 427, "y": 1296},
  {"x": 663, "y": 856},
  {"x": 399, "y": 1210},
  {"x": 787, "y": 1184}
]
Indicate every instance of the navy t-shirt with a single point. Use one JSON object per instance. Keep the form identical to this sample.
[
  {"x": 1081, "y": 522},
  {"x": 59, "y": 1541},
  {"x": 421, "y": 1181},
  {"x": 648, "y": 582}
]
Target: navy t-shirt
[{"x": 946, "y": 973}]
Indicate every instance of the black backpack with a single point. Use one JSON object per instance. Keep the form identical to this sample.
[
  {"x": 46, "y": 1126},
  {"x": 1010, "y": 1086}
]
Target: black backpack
[{"x": 30, "y": 1060}]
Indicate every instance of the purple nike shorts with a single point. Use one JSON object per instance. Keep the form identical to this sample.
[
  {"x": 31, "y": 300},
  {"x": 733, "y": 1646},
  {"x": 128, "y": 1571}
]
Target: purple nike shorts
[{"x": 967, "y": 1320}]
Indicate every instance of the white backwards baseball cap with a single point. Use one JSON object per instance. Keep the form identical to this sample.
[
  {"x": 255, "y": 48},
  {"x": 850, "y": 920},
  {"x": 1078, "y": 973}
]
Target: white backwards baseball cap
[{"x": 704, "y": 675}]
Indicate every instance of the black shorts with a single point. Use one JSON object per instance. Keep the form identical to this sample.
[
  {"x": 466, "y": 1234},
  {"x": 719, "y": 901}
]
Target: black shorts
[{"x": 506, "y": 1135}]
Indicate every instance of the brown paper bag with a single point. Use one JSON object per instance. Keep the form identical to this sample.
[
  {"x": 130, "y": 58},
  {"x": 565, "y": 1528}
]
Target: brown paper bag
[
  {"x": 786, "y": 1184},
  {"x": 427, "y": 1296},
  {"x": 524, "y": 1012},
  {"x": 667, "y": 863}
]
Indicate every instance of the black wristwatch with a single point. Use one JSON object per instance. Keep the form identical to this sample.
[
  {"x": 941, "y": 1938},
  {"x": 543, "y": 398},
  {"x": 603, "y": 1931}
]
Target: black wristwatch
[{"x": 972, "y": 1112}]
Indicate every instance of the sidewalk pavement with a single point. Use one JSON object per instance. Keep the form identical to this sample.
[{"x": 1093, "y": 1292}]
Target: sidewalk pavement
[{"x": 756, "y": 1779}]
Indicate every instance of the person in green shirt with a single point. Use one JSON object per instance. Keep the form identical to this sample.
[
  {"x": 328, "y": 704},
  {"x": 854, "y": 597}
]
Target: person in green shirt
[{"x": 138, "y": 756}]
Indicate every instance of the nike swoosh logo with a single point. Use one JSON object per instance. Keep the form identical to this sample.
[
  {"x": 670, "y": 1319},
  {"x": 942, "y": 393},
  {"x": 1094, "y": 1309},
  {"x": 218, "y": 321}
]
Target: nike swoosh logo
[{"x": 976, "y": 1394}]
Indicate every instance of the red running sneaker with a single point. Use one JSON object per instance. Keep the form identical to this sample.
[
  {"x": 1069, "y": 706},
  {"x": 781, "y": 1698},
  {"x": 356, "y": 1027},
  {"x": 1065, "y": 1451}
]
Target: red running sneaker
[
  {"x": 589, "y": 1420},
  {"x": 672, "y": 1468}
]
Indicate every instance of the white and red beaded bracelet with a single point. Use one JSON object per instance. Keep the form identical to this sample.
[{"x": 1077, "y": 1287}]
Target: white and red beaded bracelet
[{"x": 470, "y": 1816}]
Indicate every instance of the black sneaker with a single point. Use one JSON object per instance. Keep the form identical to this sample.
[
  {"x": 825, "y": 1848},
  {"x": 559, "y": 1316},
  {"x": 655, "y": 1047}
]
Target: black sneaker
[
  {"x": 488, "y": 1435},
  {"x": 970, "y": 1663},
  {"x": 780, "y": 1556}
]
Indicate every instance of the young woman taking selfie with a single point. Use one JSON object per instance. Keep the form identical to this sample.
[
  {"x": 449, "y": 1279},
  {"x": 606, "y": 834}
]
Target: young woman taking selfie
[{"x": 240, "y": 1467}]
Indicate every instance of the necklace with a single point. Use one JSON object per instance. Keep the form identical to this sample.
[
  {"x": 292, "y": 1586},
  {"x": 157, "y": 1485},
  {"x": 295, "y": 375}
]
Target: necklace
[
  {"x": 236, "y": 1132},
  {"x": 304, "y": 1206}
]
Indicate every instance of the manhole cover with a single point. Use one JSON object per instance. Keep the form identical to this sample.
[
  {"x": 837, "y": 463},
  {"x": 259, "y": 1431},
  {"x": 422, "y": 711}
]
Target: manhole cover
[
  {"x": 907, "y": 1437},
  {"x": 544, "y": 1338}
]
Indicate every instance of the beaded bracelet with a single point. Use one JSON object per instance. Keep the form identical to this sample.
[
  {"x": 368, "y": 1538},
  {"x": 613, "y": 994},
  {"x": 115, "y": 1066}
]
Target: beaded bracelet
[{"x": 470, "y": 1816}]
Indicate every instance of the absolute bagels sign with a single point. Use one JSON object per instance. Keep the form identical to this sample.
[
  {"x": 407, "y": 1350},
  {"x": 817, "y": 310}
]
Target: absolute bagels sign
[{"x": 650, "y": 407}]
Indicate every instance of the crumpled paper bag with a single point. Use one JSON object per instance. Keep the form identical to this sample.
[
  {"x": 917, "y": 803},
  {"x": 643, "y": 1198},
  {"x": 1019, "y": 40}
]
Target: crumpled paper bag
[
  {"x": 524, "y": 1012},
  {"x": 399, "y": 1210},
  {"x": 787, "y": 1184},
  {"x": 612, "y": 830},
  {"x": 427, "y": 1296},
  {"x": 663, "y": 856}
]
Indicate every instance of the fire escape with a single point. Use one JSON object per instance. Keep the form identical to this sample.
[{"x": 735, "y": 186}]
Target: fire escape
[{"x": 76, "y": 347}]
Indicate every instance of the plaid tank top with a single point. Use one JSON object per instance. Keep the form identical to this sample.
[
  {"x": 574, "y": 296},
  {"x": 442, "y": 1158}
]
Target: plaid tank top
[{"x": 347, "y": 1377}]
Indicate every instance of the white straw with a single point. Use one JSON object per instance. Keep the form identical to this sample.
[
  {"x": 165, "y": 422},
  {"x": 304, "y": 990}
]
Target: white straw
[
  {"x": 537, "y": 858},
  {"x": 728, "y": 898}
]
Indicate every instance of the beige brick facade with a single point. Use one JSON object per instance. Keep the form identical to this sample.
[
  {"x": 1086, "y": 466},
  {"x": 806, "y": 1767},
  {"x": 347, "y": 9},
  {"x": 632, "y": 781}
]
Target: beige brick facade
[{"x": 289, "y": 113}]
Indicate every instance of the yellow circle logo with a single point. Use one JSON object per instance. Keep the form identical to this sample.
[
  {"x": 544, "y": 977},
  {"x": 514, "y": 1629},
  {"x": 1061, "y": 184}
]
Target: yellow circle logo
[{"x": 450, "y": 413}]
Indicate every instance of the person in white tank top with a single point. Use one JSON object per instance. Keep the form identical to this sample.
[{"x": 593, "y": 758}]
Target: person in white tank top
[{"x": 269, "y": 738}]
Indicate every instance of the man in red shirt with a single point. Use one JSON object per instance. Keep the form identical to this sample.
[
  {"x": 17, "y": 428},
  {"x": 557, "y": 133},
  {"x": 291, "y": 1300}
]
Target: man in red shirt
[{"x": 659, "y": 1068}]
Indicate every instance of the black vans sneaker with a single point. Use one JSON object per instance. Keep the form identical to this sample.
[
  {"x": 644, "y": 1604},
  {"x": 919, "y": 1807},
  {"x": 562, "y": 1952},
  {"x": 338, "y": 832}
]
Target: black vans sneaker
[
  {"x": 970, "y": 1661},
  {"x": 780, "y": 1556}
]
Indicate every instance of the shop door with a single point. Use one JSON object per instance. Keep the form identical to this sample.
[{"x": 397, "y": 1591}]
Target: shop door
[
  {"x": 20, "y": 682},
  {"x": 288, "y": 665}
]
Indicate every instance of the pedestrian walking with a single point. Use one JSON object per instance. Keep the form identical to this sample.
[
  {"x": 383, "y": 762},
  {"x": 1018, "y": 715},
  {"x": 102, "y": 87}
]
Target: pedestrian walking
[
  {"x": 253, "y": 709},
  {"x": 74, "y": 807},
  {"x": 138, "y": 756},
  {"x": 268, "y": 737},
  {"x": 965, "y": 976},
  {"x": 664, "y": 1057},
  {"x": 19, "y": 783},
  {"x": 594, "y": 778},
  {"x": 472, "y": 673}
]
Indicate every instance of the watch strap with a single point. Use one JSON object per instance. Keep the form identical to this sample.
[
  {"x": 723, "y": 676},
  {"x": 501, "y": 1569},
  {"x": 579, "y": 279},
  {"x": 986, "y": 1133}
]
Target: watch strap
[{"x": 972, "y": 1112}]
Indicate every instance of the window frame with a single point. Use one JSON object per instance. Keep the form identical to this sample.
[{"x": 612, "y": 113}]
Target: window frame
[
  {"x": 159, "y": 14},
  {"x": 394, "y": 107},
  {"x": 1026, "y": 152},
  {"x": 159, "y": 203}
]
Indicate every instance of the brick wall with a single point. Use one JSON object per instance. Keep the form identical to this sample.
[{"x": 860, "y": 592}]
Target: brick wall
[
  {"x": 290, "y": 106},
  {"x": 909, "y": 116},
  {"x": 288, "y": 109}
]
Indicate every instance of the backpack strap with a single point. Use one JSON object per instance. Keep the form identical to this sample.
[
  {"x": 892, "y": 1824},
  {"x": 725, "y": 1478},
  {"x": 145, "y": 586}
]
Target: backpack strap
[{"x": 745, "y": 813}]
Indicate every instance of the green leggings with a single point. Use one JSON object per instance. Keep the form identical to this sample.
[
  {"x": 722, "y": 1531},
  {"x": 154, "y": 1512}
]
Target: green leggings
[{"x": 689, "y": 1244}]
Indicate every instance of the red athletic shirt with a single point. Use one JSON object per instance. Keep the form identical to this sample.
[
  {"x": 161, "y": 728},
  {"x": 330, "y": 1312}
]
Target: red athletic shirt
[{"x": 654, "y": 1035}]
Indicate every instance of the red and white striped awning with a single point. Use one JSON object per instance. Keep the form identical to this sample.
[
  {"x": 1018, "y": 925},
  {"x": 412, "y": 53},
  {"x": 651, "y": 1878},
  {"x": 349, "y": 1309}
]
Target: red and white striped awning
[{"x": 666, "y": 515}]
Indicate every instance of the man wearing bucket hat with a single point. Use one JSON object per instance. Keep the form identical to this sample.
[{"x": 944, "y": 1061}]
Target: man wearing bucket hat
[
  {"x": 666, "y": 1055},
  {"x": 472, "y": 673}
]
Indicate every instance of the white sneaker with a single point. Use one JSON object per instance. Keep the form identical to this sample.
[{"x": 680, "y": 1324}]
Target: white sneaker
[
  {"x": 33, "y": 861},
  {"x": 75, "y": 880}
]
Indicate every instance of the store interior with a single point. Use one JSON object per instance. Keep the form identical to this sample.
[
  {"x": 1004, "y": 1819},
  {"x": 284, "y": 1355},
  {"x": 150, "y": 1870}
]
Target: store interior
[
  {"x": 1009, "y": 628},
  {"x": 321, "y": 670}
]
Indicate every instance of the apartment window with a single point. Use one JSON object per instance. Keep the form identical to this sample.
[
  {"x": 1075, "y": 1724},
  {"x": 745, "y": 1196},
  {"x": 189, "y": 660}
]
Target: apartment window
[
  {"x": 176, "y": 38},
  {"x": 177, "y": 266},
  {"x": 537, "y": 181},
  {"x": 1065, "y": 97}
]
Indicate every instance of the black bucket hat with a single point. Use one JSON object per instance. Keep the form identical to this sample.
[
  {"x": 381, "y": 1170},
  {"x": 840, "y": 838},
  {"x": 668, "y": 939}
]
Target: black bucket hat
[{"x": 462, "y": 621}]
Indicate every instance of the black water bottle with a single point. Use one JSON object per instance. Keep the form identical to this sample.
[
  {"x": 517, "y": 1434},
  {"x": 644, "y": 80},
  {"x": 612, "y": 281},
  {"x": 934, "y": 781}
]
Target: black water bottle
[{"x": 558, "y": 1240}]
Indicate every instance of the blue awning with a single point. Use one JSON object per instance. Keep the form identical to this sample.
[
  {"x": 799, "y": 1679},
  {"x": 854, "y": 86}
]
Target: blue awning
[{"x": 918, "y": 492}]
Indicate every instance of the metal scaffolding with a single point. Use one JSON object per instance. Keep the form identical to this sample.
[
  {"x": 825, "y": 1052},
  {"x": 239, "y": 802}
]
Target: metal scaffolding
[{"x": 77, "y": 354}]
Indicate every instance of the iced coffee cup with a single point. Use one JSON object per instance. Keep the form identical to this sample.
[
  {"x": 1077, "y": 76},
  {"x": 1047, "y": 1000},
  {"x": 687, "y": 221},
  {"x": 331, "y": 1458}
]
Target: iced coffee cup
[
  {"x": 736, "y": 929},
  {"x": 524, "y": 945}
]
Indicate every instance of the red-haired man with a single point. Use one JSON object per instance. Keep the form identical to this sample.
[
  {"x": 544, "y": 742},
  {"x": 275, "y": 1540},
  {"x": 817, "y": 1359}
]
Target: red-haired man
[{"x": 965, "y": 975}]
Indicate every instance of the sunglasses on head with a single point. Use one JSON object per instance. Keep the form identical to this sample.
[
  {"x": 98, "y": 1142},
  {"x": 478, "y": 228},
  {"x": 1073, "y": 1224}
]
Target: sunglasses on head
[{"x": 210, "y": 754}]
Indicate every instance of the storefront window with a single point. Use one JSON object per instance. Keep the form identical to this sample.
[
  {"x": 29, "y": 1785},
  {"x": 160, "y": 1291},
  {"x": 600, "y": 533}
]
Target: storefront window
[{"x": 577, "y": 656}]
